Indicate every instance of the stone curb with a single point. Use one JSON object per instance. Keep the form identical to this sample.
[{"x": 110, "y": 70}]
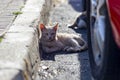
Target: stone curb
[{"x": 19, "y": 49}]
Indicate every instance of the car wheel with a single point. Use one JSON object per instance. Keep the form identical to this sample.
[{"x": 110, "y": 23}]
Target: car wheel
[{"x": 103, "y": 52}]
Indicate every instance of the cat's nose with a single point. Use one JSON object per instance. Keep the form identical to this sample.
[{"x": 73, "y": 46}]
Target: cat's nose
[{"x": 50, "y": 38}]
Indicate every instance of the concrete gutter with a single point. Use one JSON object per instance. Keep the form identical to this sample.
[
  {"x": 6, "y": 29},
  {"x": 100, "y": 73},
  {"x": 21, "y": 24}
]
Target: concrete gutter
[{"x": 19, "y": 49}]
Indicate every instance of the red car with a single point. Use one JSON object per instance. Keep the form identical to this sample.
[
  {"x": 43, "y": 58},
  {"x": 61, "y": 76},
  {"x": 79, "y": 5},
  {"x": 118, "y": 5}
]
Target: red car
[{"x": 104, "y": 38}]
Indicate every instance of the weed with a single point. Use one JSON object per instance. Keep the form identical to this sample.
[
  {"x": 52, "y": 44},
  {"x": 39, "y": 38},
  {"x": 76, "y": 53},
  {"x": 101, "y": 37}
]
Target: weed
[
  {"x": 16, "y": 13},
  {"x": 1, "y": 39}
]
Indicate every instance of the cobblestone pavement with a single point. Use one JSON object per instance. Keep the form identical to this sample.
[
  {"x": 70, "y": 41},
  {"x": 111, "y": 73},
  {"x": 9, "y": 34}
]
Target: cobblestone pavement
[
  {"x": 61, "y": 65},
  {"x": 7, "y": 8}
]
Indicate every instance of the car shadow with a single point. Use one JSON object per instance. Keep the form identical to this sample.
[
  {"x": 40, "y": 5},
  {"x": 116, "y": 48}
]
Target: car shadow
[{"x": 83, "y": 58}]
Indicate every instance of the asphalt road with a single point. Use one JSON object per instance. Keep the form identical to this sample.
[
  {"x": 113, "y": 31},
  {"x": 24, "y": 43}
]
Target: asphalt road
[{"x": 61, "y": 65}]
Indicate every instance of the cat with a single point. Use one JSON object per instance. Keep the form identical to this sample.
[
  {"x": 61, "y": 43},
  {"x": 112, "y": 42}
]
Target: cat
[
  {"x": 51, "y": 41},
  {"x": 80, "y": 22}
]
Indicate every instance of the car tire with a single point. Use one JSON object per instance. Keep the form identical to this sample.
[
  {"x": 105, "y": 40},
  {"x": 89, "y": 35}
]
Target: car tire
[{"x": 109, "y": 67}]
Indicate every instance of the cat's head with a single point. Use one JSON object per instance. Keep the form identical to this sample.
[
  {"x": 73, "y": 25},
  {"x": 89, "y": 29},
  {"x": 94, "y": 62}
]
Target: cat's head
[{"x": 48, "y": 33}]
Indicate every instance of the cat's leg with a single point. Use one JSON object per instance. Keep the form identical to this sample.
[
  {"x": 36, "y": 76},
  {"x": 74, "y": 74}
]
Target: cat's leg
[
  {"x": 74, "y": 47},
  {"x": 81, "y": 42},
  {"x": 57, "y": 46},
  {"x": 79, "y": 39},
  {"x": 50, "y": 50}
]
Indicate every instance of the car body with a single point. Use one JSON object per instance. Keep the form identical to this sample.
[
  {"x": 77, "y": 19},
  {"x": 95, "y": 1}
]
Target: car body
[{"x": 113, "y": 7}]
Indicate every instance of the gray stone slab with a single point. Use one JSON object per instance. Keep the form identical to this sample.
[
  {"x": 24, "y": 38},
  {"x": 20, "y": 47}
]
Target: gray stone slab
[
  {"x": 7, "y": 7},
  {"x": 19, "y": 49},
  {"x": 7, "y": 72}
]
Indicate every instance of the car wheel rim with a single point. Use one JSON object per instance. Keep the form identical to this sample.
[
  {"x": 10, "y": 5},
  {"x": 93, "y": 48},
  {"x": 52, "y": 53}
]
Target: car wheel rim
[{"x": 97, "y": 31}]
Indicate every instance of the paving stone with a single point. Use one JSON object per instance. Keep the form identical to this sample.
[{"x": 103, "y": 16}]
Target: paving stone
[
  {"x": 7, "y": 7},
  {"x": 19, "y": 54}
]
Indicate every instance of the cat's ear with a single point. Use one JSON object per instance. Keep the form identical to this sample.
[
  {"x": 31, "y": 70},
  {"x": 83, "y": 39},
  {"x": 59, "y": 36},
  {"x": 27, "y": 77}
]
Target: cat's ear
[
  {"x": 55, "y": 27},
  {"x": 42, "y": 27}
]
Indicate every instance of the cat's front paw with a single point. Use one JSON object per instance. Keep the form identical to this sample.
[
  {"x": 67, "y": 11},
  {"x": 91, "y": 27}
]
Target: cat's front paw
[
  {"x": 70, "y": 49},
  {"x": 65, "y": 49}
]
